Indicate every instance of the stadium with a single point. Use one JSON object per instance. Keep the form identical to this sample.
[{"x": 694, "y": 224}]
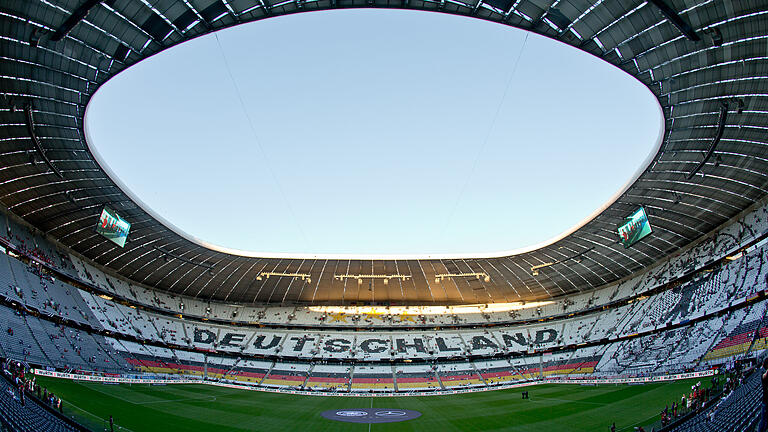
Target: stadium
[{"x": 649, "y": 315}]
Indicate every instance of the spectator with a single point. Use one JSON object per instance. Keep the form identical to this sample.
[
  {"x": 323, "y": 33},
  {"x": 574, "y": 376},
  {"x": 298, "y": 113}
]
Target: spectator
[{"x": 764, "y": 378}]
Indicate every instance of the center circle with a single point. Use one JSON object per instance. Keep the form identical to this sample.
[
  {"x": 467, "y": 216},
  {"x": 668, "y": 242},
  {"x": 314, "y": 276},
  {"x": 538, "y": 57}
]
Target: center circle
[{"x": 371, "y": 415}]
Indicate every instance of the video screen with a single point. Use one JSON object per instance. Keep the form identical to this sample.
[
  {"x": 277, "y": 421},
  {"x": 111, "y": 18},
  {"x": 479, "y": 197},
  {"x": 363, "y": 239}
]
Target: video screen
[
  {"x": 113, "y": 227},
  {"x": 634, "y": 228}
]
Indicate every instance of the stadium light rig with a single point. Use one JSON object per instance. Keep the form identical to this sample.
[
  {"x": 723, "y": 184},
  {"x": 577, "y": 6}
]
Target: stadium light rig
[
  {"x": 535, "y": 269},
  {"x": 360, "y": 277},
  {"x": 482, "y": 275},
  {"x": 430, "y": 310},
  {"x": 302, "y": 276},
  {"x": 735, "y": 256}
]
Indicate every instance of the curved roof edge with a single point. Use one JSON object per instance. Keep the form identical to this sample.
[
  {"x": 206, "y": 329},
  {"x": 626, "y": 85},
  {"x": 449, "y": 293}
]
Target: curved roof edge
[{"x": 332, "y": 256}]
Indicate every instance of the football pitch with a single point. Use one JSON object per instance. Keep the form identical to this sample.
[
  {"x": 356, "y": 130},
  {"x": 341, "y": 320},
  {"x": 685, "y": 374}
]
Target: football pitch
[{"x": 194, "y": 407}]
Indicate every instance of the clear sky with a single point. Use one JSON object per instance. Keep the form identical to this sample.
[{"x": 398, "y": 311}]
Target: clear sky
[{"x": 373, "y": 132}]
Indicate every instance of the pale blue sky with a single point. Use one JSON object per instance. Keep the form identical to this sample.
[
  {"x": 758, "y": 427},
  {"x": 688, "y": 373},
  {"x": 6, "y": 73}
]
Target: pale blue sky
[{"x": 367, "y": 125}]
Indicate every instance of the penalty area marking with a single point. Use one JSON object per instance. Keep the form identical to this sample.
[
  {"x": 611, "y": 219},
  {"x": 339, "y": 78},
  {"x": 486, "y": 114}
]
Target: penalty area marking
[{"x": 95, "y": 416}]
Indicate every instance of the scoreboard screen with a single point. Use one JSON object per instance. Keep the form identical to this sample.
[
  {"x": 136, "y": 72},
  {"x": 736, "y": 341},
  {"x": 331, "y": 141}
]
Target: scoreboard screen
[
  {"x": 634, "y": 228},
  {"x": 113, "y": 227}
]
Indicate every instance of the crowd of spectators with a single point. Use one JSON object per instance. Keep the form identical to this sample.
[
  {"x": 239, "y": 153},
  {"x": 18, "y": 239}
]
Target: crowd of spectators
[
  {"x": 25, "y": 384},
  {"x": 701, "y": 396}
]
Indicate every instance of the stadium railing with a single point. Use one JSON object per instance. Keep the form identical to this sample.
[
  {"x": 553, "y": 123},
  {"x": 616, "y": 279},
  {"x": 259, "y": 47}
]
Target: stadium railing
[{"x": 33, "y": 406}]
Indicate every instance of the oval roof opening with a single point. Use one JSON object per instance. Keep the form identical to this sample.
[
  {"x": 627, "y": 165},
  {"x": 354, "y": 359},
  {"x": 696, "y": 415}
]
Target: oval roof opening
[{"x": 371, "y": 133}]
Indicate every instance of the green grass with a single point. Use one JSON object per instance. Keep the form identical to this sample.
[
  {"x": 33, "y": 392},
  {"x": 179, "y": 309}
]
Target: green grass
[{"x": 193, "y": 407}]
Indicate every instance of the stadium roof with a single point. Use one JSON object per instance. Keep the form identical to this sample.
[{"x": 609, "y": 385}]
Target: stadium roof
[{"x": 705, "y": 61}]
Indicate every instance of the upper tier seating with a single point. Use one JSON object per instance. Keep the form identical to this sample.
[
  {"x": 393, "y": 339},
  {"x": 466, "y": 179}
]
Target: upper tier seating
[
  {"x": 737, "y": 279},
  {"x": 373, "y": 359}
]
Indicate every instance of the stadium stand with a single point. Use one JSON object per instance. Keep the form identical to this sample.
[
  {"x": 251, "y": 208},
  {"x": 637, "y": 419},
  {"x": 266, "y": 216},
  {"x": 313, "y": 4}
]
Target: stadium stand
[
  {"x": 691, "y": 297},
  {"x": 329, "y": 378},
  {"x": 736, "y": 411},
  {"x": 292, "y": 375},
  {"x": 459, "y": 375},
  {"x": 372, "y": 378},
  {"x": 417, "y": 377},
  {"x": 29, "y": 415},
  {"x": 739, "y": 276},
  {"x": 673, "y": 318},
  {"x": 701, "y": 309}
]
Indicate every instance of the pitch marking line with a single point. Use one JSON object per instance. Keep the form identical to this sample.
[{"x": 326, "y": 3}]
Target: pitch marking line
[
  {"x": 369, "y": 425},
  {"x": 632, "y": 426},
  {"x": 565, "y": 400},
  {"x": 95, "y": 416},
  {"x": 212, "y": 398},
  {"x": 106, "y": 393}
]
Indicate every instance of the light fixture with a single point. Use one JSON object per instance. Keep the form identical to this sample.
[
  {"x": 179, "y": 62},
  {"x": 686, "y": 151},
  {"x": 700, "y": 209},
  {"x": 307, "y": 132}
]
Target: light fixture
[
  {"x": 266, "y": 275},
  {"x": 478, "y": 276},
  {"x": 535, "y": 269},
  {"x": 360, "y": 277},
  {"x": 453, "y": 310},
  {"x": 734, "y": 257}
]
